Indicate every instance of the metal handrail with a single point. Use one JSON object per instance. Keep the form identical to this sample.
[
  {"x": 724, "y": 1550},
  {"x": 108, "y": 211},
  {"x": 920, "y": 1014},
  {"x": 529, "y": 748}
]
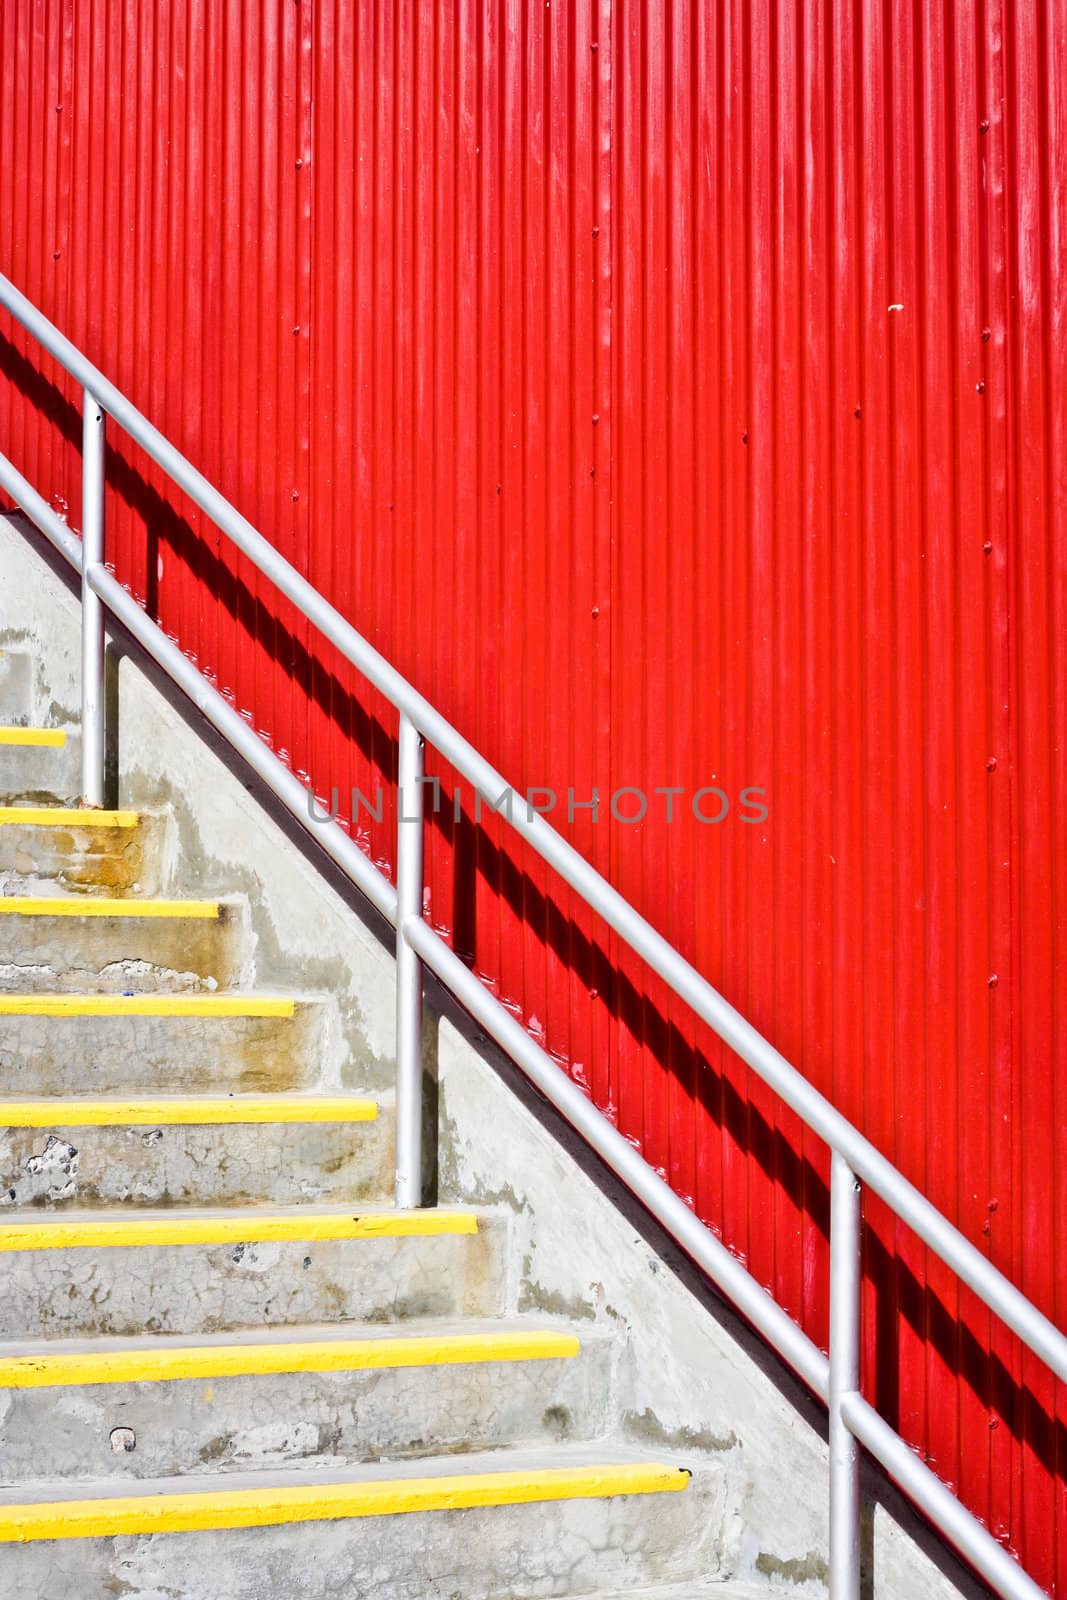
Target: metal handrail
[{"x": 855, "y": 1160}]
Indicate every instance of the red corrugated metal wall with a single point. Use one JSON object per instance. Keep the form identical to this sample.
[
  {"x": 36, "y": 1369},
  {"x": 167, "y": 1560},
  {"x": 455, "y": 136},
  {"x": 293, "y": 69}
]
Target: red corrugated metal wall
[{"x": 675, "y": 392}]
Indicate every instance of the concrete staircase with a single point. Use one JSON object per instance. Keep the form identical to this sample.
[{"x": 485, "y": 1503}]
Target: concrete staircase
[{"x": 228, "y": 1367}]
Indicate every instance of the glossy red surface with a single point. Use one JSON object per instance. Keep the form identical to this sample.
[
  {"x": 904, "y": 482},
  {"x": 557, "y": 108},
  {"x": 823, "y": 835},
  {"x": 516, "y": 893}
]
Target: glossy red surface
[{"x": 675, "y": 393}]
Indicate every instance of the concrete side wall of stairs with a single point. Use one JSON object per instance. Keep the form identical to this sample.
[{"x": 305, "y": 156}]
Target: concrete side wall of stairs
[{"x": 664, "y": 1367}]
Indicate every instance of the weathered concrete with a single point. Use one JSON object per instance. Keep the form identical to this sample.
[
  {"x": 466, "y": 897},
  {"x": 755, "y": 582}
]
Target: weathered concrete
[
  {"x": 88, "y": 1056},
  {"x": 16, "y": 684},
  {"x": 49, "y": 774},
  {"x": 107, "y": 861},
  {"x": 31, "y": 693},
  {"x": 121, "y": 955},
  {"x": 518, "y": 1553},
  {"x": 204, "y": 1288},
  {"x": 314, "y": 1420},
  {"x": 197, "y": 1165}
]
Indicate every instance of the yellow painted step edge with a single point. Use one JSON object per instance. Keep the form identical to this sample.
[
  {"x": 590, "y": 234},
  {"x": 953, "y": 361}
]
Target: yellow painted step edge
[
  {"x": 322, "y": 1355},
  {"x": 258, "y": 1508},
  {"x": 145, "y": 1005},
  {"x": 64, "y": 817},
  {"x": 60, "y": 1113},
  {"x": 235, "y": 1228},
  {"x": 91, "y": 906},
  {"x": 41, "y": 738}
]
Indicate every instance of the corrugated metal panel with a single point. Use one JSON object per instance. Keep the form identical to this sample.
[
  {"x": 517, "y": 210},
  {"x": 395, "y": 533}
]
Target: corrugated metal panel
[{"x": 675, "y": 392}]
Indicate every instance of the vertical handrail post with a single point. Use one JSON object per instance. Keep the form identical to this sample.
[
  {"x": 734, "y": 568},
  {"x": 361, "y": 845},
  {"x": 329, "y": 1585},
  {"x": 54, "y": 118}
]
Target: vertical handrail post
[
  {"x": 846, "y": 1205},
  {"x": 409, "y": 851},
  {"x": 93, "y": 429}
]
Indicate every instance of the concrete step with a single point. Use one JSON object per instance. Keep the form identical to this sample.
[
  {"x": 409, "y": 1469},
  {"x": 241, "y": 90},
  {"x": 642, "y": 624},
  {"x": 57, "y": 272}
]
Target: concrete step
[
  {"x": 514, "y": 1523},
  {"x": 223, "y": 1151},
  {"x": 40, "y": 764},
  {"x": 86, "y": 852},
  {"x": 313, "y": 1397},
  {"x": 88, "y": 1273},
  {"x": 16, "y": 686},
  {"x": 81, "y": 944},
  {"x": 95, "y": 1044}
]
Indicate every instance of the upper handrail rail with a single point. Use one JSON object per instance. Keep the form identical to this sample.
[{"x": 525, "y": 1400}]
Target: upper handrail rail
[{"x": 853, "y": 1156}]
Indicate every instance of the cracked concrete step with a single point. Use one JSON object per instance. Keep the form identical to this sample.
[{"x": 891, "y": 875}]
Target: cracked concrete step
[
  {"x": 81, "y": 1274},
  {"x": 222, "y": 1150},
  {"x": 192, "y": 1044},
  {"x": 307, "y": 1396},
  {"x": 515, "y": 1523},
  {"x": 77, "y": 943},
  {"x": 42, "y": 764},
  {"x": 88, "y": 852}
]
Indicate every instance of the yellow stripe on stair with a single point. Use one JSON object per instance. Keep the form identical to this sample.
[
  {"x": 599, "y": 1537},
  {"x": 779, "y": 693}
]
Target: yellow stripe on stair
[
  {"x": 145, "y": 1005},
  {"x": 259, "y": 1508},
  {"x": 65, "y": 817},
  {"x": 234, "y": 1227},
  {"x": 59, "y": 1113},
  {"x": 40, "y": 738},
  {"x": 147, "y": 1365},
  {"x": 92, "y": 906}
]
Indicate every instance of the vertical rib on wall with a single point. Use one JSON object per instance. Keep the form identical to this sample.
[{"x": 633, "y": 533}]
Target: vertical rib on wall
[{"x": 675, "y": 393}]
